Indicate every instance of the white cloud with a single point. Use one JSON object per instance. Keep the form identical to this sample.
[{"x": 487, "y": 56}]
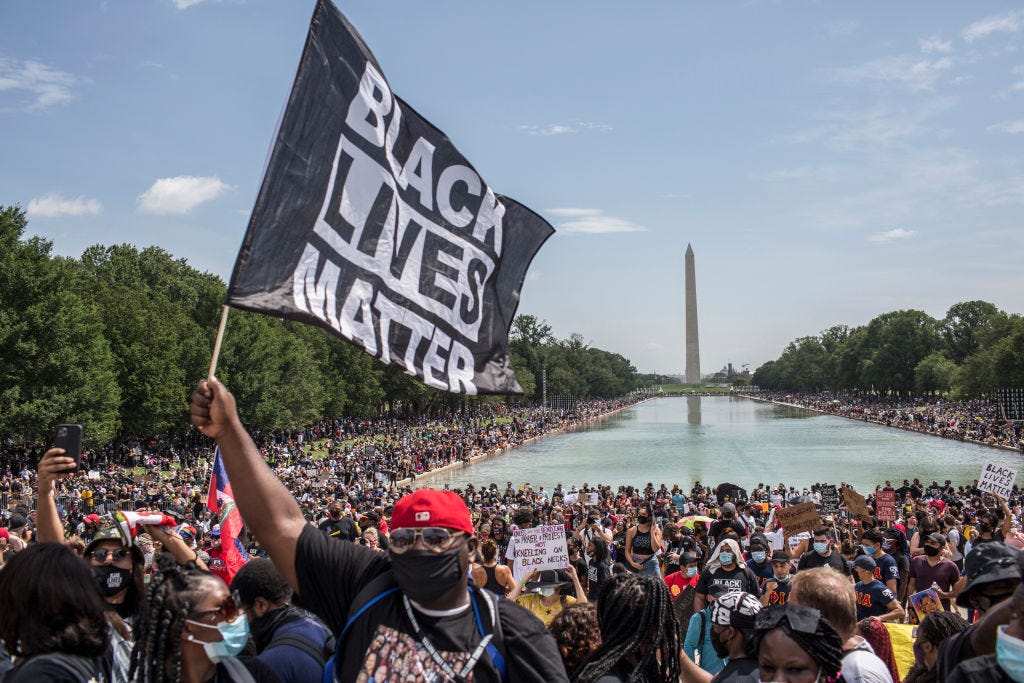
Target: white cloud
[
  {"x": 915, "y": 72},
  {"x": 891, "y": 235},
  {"x": 877, "y": 127},
  {"x": 43, "y": 85},
  {"x": 1018, "y": 70},
  {"x": 53, "y": 205},
  {"x": 1008, "y": 126},
  {"x": 181, "y": 194},
  {"x": 563, "y": 128},
  {"x": 935, "y": 44},
  {"x": 185, "y": 4},
  {"x": 592, "y": 221},
  {"x": 1010, "y": 22}
]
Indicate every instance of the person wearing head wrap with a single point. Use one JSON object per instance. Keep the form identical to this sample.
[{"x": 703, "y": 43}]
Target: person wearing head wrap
[{"x": 798, "y": 641}]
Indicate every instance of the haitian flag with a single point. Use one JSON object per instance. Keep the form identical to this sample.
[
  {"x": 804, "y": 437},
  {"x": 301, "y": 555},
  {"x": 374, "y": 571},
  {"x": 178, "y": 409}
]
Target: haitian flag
[
  {"x": 228, "y": 559},
  {"x": 371, "y": 224}
]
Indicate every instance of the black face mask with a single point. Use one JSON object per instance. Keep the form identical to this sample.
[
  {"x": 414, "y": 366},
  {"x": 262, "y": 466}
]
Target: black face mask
[
  {"x": 931, "y": 551},
  {"x": 426, "y": 575},
  {"x": 110, "y": 580},
  {"x": 644, "y": 519},
  {"x": 721, "y": 648}
]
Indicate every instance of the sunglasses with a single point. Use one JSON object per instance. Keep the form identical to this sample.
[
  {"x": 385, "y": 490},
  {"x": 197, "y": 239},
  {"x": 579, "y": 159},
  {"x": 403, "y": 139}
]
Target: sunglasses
[
  {"x": 102, "y": 554},
  {"x": 435, "y": 539},
  {"x": 801, "y": 619},
  {"x": 226, "y": 611}
]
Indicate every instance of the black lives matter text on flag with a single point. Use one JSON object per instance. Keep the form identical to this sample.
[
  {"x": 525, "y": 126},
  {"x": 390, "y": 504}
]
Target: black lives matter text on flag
[{"x": 370, "y": 223}]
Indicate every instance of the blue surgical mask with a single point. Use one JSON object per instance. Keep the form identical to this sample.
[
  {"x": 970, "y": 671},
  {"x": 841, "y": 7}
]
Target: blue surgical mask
[
  {"x": 781, "y": 579},
  {"x": 235, "y": 635},
  {"x": 1010, "y": 654},
  {"x": 821, "y": 548},
  {"x": 725, "y": 558},
  {"x": 868, "y": 549},
  {"x": 691, "y": 571},
  {"x": 758, "y": 556}
]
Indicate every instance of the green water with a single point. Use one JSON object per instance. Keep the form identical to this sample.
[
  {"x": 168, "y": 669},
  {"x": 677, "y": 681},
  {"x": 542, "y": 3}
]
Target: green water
[{"x": 716, "y": 439}]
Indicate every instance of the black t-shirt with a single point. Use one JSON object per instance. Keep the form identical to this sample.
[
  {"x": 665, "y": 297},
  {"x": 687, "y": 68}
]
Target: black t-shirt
[
  {"x": 381, "y": 643},
  {"x": 343, "y": 528},
  {"x": 719, "y": 526},
  {"x": 42, "y": 669},
  {"x": 737, "y": 579},
  {"x": 743, "y": 670},
  {"x": 812, "y": 560}
]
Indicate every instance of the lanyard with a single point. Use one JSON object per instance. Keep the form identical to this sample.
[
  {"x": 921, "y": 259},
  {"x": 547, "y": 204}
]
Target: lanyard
[{"x": 436, "y": 656}]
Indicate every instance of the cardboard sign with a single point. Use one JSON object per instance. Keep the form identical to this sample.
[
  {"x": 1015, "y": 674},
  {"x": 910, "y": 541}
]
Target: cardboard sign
[
  {"x": 830, "y": 499},
  {"x": 856, "y": 503},
  {"x": 798, "y": 518},
  {"x": 997, "y": 479},
  {"x": 540, "y": 548},
  {"x": 592, "y": 498},
  {"x": 885, "y": 504}
]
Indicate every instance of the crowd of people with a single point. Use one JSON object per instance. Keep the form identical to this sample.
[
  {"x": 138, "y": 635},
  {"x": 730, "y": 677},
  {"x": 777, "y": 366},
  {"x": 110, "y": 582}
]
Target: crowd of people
[
  {"x": 977, "y": 421},
  {"x": 349, "y": 574}
]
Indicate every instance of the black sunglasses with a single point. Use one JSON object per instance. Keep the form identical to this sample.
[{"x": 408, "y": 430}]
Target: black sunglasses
[
  {"x": 801, "y": 619},
  {"x": 101, "y": 554}
]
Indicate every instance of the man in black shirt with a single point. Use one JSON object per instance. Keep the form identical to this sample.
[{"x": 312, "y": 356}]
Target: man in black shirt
[
  {"x": 407, "y": 614},
  {"x": 732, "y": 634},
  {"x": 339, "y": 525},
  {"x": 823, "y": 553},
  {"x": 728, "y": 521}
]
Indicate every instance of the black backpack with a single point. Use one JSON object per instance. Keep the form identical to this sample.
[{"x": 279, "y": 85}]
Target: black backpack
[{"x": 84, "y": 669}]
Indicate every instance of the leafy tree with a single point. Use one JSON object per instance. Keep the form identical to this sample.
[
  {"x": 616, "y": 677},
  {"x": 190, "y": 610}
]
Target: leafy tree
[
  {"x": 55, "y": 364},
  {"x": 935, "y": 374},
  {"x": 971, "y": 325}
]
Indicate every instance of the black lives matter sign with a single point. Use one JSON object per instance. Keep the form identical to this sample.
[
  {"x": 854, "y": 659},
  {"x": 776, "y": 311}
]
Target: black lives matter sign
[{"x": 370, "y": 223}]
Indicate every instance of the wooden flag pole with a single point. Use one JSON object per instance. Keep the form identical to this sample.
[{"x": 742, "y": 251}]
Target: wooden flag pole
[{"x": 220, "y": 337}]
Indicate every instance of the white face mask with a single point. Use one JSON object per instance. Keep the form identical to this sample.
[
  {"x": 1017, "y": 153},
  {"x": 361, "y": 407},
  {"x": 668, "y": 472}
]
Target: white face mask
[{"x": 548, "y": 591}]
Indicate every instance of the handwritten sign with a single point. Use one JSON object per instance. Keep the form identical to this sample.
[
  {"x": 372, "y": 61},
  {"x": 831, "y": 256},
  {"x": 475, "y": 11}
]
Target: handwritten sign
[
  {"x": 830, "y": 499},
  {"x": 856, "y": 503},
  {"x": 885, "y": 503},
  {"x": 540, "y": 548},
  {"x": 997, "y": 479},
  {"x": 798, "y": 518}
]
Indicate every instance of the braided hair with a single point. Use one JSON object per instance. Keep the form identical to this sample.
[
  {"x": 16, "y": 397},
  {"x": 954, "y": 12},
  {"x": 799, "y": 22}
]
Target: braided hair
[
  {"x": 636, "y": 619},
  {"x": 172, "y": 594}
]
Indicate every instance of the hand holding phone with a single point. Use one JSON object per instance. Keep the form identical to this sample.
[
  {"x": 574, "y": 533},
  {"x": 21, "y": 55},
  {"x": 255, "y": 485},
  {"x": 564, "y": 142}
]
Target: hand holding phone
[{"x": 69, "y": 437}]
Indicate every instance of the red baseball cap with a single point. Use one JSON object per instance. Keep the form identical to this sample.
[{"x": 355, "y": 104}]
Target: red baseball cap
[
  {"x": 430, "y": 507},
  {"x": 91, "y": 519}
]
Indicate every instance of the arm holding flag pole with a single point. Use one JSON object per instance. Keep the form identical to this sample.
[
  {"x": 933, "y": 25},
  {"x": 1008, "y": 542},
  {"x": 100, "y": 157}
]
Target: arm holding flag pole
[{"x": 268, "y": 507}]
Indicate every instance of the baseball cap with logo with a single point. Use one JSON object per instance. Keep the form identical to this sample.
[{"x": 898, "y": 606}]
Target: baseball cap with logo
[
  {"x": 735, "y": 608},
  {"x": 432, "y": 508}
]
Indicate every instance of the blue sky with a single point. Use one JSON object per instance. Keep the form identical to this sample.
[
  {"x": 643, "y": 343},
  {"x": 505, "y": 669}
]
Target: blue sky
[{"x": 827, "y": 162}]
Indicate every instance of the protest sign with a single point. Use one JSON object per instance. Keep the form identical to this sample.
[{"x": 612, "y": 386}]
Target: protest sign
[
  {"x": 591, "y": 498},
  {"x": 856, "y": 503},
  {"x": 570, "y": 498},
  {"x": 885, "y": 505},
  {"x": 925, "y": 602},
  {"x": 371, "y": 224},
  {"x": 997, "y": 479},
  {"x": 830, "y": 499},
  {"x": 798, "y": 518},
  {"x": 540, "y": 548}
]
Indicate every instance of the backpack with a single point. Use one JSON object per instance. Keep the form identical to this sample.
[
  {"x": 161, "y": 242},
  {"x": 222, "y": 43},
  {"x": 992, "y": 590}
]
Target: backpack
[
  {"x": 383, "y": 586},
  {"x": 322, "y": 654},
  {"x": 961, "y": 543}
]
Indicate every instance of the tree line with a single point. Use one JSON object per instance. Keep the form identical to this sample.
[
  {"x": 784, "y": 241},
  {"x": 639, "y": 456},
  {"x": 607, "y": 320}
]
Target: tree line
[
  {"x": 974, "y": 350},
  {"x": 116, "y": 339}
]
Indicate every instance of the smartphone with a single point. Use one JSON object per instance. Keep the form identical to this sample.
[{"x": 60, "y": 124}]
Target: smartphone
[{"x": 69, "y": 437}]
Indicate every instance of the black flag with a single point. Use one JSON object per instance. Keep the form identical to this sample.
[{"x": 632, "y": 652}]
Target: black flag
[{"x": 371, "y": 224}]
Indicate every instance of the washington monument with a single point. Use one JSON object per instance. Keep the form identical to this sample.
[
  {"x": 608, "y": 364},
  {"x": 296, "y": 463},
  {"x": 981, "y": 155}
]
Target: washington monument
[{"x": 692, "y": 345}]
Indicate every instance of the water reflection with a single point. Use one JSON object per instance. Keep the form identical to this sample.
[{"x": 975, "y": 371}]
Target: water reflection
[{"x": 693, "y": 410}]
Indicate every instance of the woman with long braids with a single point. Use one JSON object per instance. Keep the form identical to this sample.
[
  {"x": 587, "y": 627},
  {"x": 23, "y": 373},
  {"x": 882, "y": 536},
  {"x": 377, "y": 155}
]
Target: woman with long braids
[
  {"x": 192, "y": 630},
  {"x": 797, "y": 642},
  {"x": 639, "y": 632}
]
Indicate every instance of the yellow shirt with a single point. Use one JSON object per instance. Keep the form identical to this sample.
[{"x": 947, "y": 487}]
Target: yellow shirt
[{"x": 532, "y": 602}]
